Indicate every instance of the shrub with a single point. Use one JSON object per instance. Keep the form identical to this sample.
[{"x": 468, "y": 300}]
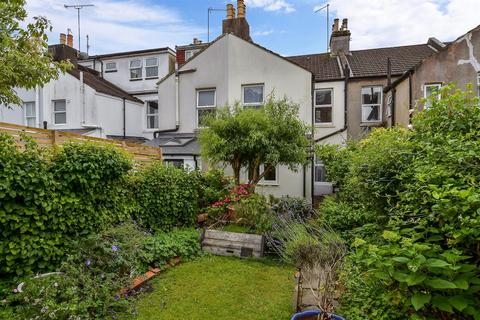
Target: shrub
[
  {"x": 167, "y": 197},
  {"x": 254, "y": 212},
  {"x": 299, "y": 208},
  {"x": 213, "y": 187},
  {"x": 91, "y": 279},
  {"x": 160, "y": 248},
  {"x": 49, "y": 198},
  {"x": 422, "y": 260}
]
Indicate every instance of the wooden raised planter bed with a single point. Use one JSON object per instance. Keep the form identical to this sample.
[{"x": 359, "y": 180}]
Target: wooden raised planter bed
[{"x": 233, "y": 244}]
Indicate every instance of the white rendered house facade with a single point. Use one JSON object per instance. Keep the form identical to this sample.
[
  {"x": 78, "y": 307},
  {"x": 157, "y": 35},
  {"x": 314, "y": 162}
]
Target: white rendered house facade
[{"x": 232, "y": 70}]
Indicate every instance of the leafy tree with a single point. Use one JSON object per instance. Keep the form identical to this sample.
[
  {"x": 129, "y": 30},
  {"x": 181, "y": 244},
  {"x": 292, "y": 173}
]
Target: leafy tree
[
  {"x": 247, "y": 138},
  {"x": 23, "y": 52}
]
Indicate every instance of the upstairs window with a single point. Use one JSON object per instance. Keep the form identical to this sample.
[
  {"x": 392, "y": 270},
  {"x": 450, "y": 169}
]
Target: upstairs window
[
  {"x": 252, "y": 96},
  {"x": 152, "y": 115},
  {"x": 151, "y": 68},
  {"x": 429, "y": 90},
  {"x": 323, "y": 106},
  {"x": 111, "y": 67},
  {"x": 59, "y": 112},
  {"x": 372, "y": 104},
  {"x": 206, "y": 103},
  {"x": 190, "y": 53},
  {"x": 136, "y": 69},
  {"x": 30, "y": 114}
]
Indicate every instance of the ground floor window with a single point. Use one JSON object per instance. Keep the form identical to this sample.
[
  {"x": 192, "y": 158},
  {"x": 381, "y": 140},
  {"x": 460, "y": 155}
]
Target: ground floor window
[
  {"x": 271, "y": 177},
  {"x": 152, "y": 115},
  {"x": 319, "y": 171},
  {"x": 30, "y": 114},
  {"x": 177, "y": 163},
  {"x": 429, "y": 90}
]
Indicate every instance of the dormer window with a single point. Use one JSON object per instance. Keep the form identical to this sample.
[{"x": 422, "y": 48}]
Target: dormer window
[
  {"x": 136, "y": 69},
  {"x": 151, "y": 68},
  {"x": 111, "y": 67}
]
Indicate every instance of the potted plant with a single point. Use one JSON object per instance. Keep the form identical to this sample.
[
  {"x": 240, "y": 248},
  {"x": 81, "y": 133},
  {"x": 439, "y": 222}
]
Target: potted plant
[{"x": 315, "y": 315}]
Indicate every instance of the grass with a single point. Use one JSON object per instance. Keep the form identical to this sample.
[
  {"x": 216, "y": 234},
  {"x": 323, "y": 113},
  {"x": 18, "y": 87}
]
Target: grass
[
  {"x": 237, "y": 228},
  {"x": 224, "y": 288}
]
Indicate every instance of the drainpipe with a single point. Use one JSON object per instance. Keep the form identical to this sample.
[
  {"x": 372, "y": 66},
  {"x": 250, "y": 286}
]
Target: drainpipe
[
  {"x": 177, "y": 99},
  {"x": 37, "y": 106},
  {"x": 82, "y": 98},
  {"x": 196, "y": 161},
  {"x": 312, "y": 162},
  {"x": 124, "y": 119}
]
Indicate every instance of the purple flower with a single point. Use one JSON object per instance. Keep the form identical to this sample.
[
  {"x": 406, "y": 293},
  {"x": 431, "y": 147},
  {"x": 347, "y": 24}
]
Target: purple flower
[
  {"x": 88, "y": 262},
  {"x": 126, "y": 295},
  {"x": 114, "y": 248},
  {"x": 117, "y": 297}
]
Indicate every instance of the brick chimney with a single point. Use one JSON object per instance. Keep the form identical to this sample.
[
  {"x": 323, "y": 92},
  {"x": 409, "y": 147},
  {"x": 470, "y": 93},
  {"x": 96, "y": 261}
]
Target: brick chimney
[
  {"x": 70, "y": 38},
  {"x": 237, "y": 25},
  {"x": 63, "y": 38},
  {"x": 340, "y": 39}
]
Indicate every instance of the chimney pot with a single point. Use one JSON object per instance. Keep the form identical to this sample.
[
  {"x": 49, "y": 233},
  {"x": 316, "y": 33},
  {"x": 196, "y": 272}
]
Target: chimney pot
[
  {"x": 70, "y": 38},
  {"x": 63, "y": 38},
  {"x": 241, "y": 9},
  {"x": 345, "y": 24},
  {"x": 335, "y": 24},
  {"x": 230, "y": 11}
]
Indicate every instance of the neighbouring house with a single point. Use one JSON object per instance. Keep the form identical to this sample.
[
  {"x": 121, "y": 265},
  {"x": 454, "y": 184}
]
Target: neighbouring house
[
  {"x": 457, "y": 62},
  {"x": 136, "y": 72},
  {"x": 228, "y": 70},
  {"x": 79, "y": 101}
]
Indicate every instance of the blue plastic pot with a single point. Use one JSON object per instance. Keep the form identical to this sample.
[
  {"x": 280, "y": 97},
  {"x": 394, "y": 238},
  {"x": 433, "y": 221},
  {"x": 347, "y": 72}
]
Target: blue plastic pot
[{"x": 313, "y": 313}]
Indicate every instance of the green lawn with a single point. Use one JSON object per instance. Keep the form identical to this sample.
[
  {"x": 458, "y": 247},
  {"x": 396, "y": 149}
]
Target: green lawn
[{"x": 223, "y": 288}]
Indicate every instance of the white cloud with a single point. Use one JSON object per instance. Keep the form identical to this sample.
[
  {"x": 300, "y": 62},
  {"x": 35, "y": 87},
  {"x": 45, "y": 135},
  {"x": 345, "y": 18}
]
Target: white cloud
[
  {"x": 263, "y": 33},
  {"x": 118, "y": 25},
  {"x": 400, "y": 22},
  {"x": 271, "y": 5}
]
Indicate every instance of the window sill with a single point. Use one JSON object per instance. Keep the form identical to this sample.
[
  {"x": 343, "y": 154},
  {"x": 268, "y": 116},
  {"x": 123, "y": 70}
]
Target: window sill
[
  {"x": 324, "y": 125},
  {"x": 371, "y": 124},
  {"x": 151, "y": 78},
  {"x": 110, "y": 71},
  {"x": 269, "y": 184},
  {"x": 150, "y": 130},
  {"x": 139, "y": 79}
]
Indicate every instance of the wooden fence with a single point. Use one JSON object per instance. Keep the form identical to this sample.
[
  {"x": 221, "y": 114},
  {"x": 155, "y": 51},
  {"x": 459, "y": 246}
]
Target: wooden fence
[{"x": 49, "y": 138}]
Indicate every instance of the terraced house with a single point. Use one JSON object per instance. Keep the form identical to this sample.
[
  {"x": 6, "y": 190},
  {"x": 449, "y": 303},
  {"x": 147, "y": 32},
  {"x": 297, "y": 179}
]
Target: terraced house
[{"x": 160, "y": 96}]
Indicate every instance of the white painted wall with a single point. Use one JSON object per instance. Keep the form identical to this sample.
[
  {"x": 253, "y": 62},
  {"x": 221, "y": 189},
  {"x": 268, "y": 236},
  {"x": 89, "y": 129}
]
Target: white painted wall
[
  {"x": 101, "y": 110},
  {"x": 121, "y": 77},
  {"x": 338, "y": 113},
  {"x": 227, "y": 65}
]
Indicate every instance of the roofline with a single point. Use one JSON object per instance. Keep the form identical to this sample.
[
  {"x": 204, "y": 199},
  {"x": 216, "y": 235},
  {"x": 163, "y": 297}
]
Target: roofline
[{"x": 131, "y": 53}]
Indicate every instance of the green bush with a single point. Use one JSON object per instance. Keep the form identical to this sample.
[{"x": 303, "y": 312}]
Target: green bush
[
  {"x": 421, "y": 258},
  {"x": 213, "y": 186},
  {"x": 299, "y": 208},
  {"x": 49, "y": 198},
  {"x": 91, "y": 279},
  {"x": 162, "y": 247},
  {"x": 166, "y": 197},
  {"x": 254, "y": 212}
]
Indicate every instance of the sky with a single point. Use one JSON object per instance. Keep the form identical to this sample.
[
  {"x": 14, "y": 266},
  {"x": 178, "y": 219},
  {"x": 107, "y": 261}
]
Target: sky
[{"x": 288, "y": 27}]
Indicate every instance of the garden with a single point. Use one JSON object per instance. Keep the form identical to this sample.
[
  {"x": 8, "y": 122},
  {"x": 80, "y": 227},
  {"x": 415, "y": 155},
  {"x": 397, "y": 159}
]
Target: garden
[{"x": 89, "y": 234}]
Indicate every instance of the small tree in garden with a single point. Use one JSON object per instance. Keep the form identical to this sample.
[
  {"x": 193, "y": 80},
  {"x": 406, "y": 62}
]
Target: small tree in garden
[
  {"x": 23, "y": 52},
  {"x": 247, "y": 138}
]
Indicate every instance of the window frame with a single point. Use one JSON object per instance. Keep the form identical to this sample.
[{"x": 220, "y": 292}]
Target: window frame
[
  {"x": 438, "y": 85},
  {"x": 27, "y": 117},
  {"x": 210, "y": 107},
  {"x": 321, "y": 164},
  {"x": 148, "y": 115},
  {"x": 155, "y": 66},
  {"x": 379, "y": 104},
  {"x": 191, "y": 52},
  {"x": 57, "y": 112},
  {"x": 269, "y": 182},
  {"x": 323, "y": 106},
  {"x": 171, "y": 162},
  {"x": 478, "y": 84},
  {"x": 107, "y": 70},
  {"x": 253, "y": 104},
  {"x": 140, "y": 67}
]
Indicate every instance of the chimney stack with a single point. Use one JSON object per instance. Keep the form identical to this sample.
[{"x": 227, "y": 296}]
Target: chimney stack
[
  {"x": 340, "y": 38},
  {"x": 237, "y": 25},
  {"x": 63, "y": 38},
  {"x": 230, "y": 11},
  {"x": 70, "y": 38},
  {"x": 241, "y": 9},
  {"x": 196, "y": 41}
]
